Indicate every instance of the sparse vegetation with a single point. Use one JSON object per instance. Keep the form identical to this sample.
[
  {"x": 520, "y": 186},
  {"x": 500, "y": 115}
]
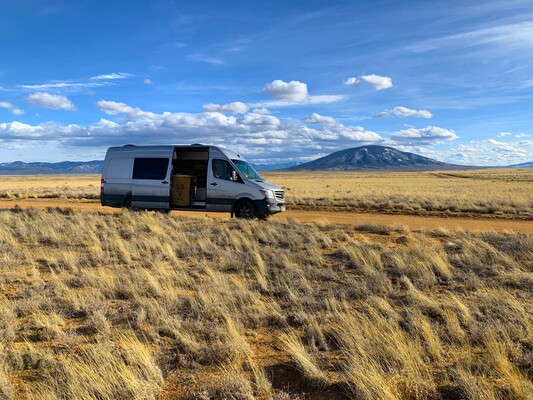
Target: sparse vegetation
[
  {"x": 144, "y": 305},
  {"x": 493, "y": 192},
  {"x": 504, "y": 193}
]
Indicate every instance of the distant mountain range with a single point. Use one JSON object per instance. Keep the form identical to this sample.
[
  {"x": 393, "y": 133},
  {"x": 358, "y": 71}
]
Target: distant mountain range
[
  {"x": 523, "y": 165},
  {"x": 43, "y": 168},
  {"x": 364, "y": 158},
  {"x": 374, "y": 157}
]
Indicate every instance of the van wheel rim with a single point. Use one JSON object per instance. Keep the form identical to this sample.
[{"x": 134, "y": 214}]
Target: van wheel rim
[{"x": 245, "y": 211}]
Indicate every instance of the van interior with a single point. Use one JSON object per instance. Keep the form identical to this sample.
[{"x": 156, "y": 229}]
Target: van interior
[{"x": 189, "y": 177}]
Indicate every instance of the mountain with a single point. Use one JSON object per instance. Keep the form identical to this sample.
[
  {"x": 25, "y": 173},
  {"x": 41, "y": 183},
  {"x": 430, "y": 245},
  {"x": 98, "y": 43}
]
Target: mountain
[
  {"x": 43, "y": 168},
  {"x": 274, "y": 166},
  {"x": 373, "y": 157},
  {"x": 523, "y": 165}
]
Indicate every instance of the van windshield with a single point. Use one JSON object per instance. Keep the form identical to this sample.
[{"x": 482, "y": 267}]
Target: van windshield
[{"x": 246, "y": 169}]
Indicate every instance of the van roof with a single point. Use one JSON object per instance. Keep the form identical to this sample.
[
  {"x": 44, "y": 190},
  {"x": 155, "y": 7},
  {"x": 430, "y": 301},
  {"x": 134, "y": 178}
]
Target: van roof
[{"x": 129, "y": 148}]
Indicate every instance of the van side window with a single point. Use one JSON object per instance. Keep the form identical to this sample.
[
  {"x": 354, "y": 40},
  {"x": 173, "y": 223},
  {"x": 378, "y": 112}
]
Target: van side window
[
  {"x": 150, "y": 168},
  {"x": 222, "y": 169}
]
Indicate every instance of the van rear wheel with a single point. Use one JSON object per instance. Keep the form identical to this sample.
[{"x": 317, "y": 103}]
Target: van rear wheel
[{"x": 245, "y": 210}]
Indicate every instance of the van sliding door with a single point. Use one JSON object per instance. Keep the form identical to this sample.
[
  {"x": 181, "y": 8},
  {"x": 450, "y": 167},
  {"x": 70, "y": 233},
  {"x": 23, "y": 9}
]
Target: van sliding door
[{"x": 151, "y": 183}]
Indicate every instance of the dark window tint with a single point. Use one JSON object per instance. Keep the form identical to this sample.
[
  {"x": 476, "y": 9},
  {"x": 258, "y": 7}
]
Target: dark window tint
[
  {"x": 222, "y": 169},
  {"x": 150, "y": 168}
]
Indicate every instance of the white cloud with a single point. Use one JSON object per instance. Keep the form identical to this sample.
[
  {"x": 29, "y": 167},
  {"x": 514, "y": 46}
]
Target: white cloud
[
  {"x": 10, "y": 107},
  {"x": 293, "y": 91},
  {"x": 503, "y": 134},
  {"x": 114, "y": 108},
  {"x": 147, "y": 81},
  {"x": 315, "y": 118},
  {"x": 66, "y": 85},
  {"x": 262, "y": 110},
  {"x": 236, "y": 107},
  {"x": 491, "y": 152},
  {"x": 51, "y": 101},
  {"x": 405, "y": 112},
  {"x": 377, "y": 82},
  {"x": 256, "y": 134},
  {"x": 199, "y": 57},
  {"x": 323, "y": 99},
  {"x": 112, "y": 76},
  {"x": 352, "y": 81},
  {"x": 514, "y": 36},
  {"x": 521, "y": 135},
  {"x": 423, "y": 136}
]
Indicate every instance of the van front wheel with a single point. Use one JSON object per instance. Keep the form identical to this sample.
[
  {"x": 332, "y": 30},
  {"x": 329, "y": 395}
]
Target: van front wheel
[{"x": 245, "y": 210}]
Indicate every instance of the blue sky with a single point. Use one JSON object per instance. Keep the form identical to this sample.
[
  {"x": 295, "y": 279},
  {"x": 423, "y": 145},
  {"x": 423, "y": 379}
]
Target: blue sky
[{"x": 278, "y": 81}]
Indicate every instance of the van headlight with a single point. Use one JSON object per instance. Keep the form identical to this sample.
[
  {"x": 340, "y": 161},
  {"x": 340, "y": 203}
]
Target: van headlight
[{"x": 269, "y": 194}]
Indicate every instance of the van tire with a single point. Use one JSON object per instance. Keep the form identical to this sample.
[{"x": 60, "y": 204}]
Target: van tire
[
  {"x": 127, "y": 203},
  {"x": 245, "y": 209}
]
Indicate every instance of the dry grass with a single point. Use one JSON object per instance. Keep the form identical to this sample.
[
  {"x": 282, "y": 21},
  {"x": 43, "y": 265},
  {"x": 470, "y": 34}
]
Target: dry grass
[
  {"x": 142, "y": 305},
  {"x": 50, "y": 186},
  {"x": 494, "y": 192}
]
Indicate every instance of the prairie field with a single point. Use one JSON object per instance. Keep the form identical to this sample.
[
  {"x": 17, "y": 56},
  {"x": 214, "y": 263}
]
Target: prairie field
[
  {"x": 506, "y": 193},
  {"x": 140, "y": 305},
  {"x": 500, "y": 192}
]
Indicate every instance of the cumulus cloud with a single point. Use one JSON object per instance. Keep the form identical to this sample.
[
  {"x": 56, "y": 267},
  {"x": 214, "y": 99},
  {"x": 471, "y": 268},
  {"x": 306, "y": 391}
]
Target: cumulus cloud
[
  {"x": 10, "y": 107},
  {"x": 113, "y": 107},
  {"x": 491, "y": 152},
  {"x": 315, "y": 118},
  {"x": 51, "y": 101},
  {"x": 293, "y": 91},
  {"x": 503, "y": 134},
  {"x": 236, "y": 107},
  {"x": 377, "y": 82},
  {"x": 423, "y": 136},
  {"x": 404, "y": 112},
  {"x": 257, "y": 133},
  {"x": 352, "y": 81},
  {"x": 261, "y": 110}
]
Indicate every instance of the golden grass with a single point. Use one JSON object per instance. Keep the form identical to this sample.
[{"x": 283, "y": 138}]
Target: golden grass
[
  {"x": 49, "y": 186},
  {"x": 505, "y": 192},
  {"x": 500, "y": 192},
  {"x": 143, "y": 305}
]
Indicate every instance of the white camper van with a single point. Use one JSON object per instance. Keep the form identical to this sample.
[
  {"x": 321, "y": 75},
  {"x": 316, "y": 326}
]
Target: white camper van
[{"x": 183, "y": 177}]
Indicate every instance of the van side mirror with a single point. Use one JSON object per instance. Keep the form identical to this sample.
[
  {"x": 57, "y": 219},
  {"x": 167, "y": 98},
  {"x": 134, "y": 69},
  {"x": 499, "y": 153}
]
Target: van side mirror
[{"x": 234, "y": 175}]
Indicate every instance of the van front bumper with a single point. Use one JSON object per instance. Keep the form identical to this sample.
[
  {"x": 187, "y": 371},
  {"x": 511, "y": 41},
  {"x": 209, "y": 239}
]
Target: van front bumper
[
  {"x": 275, "y": 208},
  {"x": 264, "y": 207}
]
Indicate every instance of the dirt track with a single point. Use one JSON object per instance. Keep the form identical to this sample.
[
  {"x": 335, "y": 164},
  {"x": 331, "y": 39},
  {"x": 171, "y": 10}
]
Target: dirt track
[{"x": 411, "y": 221}]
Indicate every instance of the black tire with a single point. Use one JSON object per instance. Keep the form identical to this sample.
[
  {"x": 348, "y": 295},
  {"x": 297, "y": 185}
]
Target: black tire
[
  {"x": 127, "y": 204},
  {"x": 245, "y": 210}
]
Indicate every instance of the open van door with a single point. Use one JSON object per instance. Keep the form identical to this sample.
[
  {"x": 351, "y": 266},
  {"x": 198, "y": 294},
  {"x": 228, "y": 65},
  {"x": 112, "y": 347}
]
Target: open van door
[{"x": 151, "y": 182}]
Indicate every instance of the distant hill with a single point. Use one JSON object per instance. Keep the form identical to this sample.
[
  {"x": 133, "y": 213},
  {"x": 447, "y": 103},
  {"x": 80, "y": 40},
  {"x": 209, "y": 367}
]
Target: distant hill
[
  {"x": 43, "y": 168},
  {"x": 374, "y": 158},
  {"x": 523, "y": 165}
]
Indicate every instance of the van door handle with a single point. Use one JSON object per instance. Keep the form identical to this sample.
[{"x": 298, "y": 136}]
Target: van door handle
[
  {"x": 214, "y": 184},
  {"x": 164, "y": 182}
]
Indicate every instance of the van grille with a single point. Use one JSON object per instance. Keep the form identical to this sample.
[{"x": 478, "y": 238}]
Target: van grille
[{"x": 280, "y": 195}]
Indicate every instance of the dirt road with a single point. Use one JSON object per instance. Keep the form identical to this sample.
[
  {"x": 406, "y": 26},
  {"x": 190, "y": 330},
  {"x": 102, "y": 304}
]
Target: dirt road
[{"x": 349, "y": 218}]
